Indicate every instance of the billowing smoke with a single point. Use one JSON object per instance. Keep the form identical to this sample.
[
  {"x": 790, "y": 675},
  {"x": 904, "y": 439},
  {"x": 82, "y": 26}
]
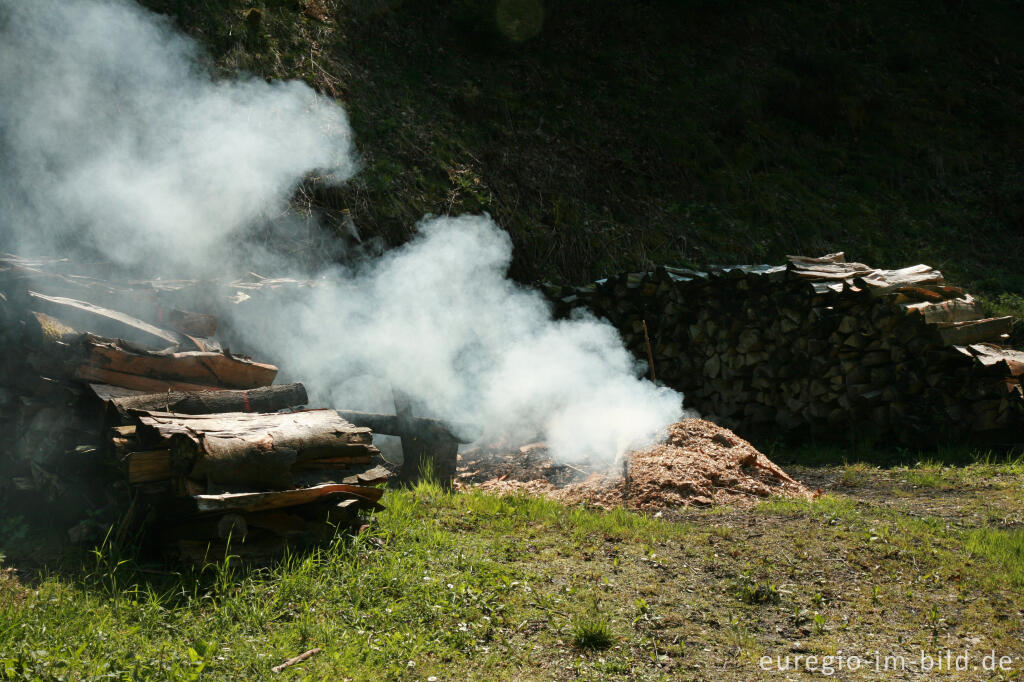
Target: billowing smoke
[
  {"x": 114, "y": 141},
  {"x": 438, "y": 319},
  {"x": 112, "y": 137}
]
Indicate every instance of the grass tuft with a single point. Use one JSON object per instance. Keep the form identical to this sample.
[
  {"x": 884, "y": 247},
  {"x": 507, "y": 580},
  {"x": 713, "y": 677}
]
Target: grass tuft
[{"x": 592, "y": 630}]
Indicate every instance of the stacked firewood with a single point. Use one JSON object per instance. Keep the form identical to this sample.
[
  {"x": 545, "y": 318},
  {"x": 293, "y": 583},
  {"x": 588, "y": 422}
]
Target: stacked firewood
[
  {"x": 261, "y": 478},
  {"x": 134, "y": 404},
  {"x": 820, "y": 347}
]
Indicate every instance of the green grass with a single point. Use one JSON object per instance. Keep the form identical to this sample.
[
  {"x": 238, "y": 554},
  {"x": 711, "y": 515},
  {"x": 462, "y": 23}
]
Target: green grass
[
  {"x": 1003, "y": 546},
  {"x": 591, "y": 630},
  {"x": 471, "y": 585}
]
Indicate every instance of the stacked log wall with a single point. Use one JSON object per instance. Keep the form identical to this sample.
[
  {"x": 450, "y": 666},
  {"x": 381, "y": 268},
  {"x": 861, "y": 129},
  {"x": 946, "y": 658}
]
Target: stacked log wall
[{"x": 820, "y": 348}]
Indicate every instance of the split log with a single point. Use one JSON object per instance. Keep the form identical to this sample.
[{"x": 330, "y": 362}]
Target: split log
[
  {"x": 963, "y": 309},
  {"x": 265, "y": 399},
  {"x": 964, "y": 333}
]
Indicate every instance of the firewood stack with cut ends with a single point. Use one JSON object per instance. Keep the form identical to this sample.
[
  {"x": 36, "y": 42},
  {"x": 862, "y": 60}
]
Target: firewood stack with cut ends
[
  {"x": 113, "y": 397},
  {"x": 821, "y": 347}
]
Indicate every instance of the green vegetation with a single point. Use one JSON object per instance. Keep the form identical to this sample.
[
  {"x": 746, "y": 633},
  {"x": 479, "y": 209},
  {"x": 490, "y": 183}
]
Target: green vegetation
[
  {"x": 592, "y": 631},
  {"x": 471, "y": 585},
  {"x": 1005, "y": 546},
  {"x": 607, "y": 136}
]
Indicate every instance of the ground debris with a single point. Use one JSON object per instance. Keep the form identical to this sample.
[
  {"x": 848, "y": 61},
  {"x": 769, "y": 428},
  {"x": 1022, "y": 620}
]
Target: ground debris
[{"x": 698, "y": 463}]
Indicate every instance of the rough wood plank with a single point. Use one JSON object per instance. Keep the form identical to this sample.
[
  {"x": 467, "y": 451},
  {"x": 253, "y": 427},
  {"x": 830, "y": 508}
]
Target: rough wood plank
[
  {"x": 135, "y": 382},
  {"x": 964, "y": 333},
  {"x": 278, "y": 499},
  {"x": 211, "y": 369}
]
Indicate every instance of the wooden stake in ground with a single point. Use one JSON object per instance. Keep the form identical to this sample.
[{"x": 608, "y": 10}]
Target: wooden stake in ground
[
  {"x": 650, "y": 355},
  {"x": 298, "y": 659}
]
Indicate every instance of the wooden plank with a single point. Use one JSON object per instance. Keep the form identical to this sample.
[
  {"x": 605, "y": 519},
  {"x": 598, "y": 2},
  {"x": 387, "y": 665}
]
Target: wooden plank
[
  {"x": 106, "y": 392},
  {"x": 965, "y": 333},
  {"x": 882, "y": 282},
  {"x": 837, "y": 257},
  {"x": 279, "y": 499},
  {"x": 135, "y": 382},
  {"x": 210, "y": 369}
]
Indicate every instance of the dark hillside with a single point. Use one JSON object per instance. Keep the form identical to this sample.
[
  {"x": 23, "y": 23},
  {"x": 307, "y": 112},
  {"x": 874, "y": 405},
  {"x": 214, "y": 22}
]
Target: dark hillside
[{"x": 606, "y": 136}]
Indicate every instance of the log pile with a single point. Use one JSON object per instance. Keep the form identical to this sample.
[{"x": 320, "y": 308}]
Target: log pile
[
  {"x": 116, "y": 397},
  {"x": 820, "y": 347}
]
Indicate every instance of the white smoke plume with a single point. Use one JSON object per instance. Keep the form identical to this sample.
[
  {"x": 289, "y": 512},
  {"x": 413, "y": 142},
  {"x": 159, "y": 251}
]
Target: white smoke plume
[
  {"x": 438, "y": 319},
  {"x": 114, "y": 141},
  {"x": 113, "y": 137}
]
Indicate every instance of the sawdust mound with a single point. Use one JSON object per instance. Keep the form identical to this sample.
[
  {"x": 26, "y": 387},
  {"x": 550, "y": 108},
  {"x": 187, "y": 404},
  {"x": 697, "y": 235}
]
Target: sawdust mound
[{"x": 699, "y": 463}]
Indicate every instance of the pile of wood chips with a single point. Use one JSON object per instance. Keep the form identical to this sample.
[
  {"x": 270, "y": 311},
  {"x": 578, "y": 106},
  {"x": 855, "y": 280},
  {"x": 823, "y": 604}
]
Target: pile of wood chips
[
  {"x": 115, "y": 397},
  {"x": 698, "y": 463}
]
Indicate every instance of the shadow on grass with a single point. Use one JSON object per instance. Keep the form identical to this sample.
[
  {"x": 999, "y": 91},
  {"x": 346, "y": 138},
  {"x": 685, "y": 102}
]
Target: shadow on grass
[{"x": 880, "y": 455}]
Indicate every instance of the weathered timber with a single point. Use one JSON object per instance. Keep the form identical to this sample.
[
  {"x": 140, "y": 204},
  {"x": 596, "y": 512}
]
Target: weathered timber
[
  {"x": 964, "y": 333},
  {"x": 963, "y": 309},
  {"x": 254, "y": 449},
  {"x": 434, "y": 448},
  {"x": 264, "y": 399},
  {"x": 92, "y": 374},
  {"x": 278, "y": 499},
  {"x": 196, "y": 367}
]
